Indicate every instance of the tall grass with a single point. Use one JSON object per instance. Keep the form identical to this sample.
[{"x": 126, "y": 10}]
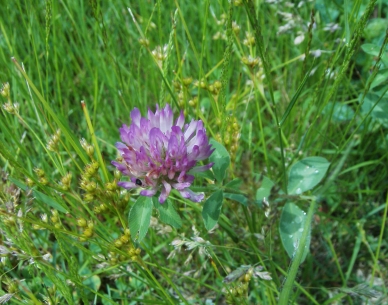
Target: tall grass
[{"x": 274, "y": 82}]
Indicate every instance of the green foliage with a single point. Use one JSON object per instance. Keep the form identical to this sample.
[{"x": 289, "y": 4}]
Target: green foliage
[
  {"x": 168, "y": 213},
  {"x": 305, "y": 174},
  {"x": 212, "y": 209},
  {"x": 139, "y": 218},
  {"x": 292, "y": 223},
  {"x": 221, "y": 160},
  {"x": 274, "y": 84}
]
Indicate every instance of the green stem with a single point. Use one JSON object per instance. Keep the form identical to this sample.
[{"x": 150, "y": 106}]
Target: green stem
[
  {"x": 94, "y": 140},
  {"x": 285, "y": 294}
]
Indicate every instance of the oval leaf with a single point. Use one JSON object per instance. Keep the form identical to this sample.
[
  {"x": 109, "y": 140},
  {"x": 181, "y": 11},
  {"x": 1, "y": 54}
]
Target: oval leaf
[
  {"x": 212, "y": 209},
  {"x": 292, "y": 222},
  {"x": 221, "y": 160},
  {"x": 139, "y": 218},
  {"x": 167, "y": 213},
  {"x": 305, "y": 174},
  {"x": 264, "y": 191},
  {"x": 237, "y": 197}
]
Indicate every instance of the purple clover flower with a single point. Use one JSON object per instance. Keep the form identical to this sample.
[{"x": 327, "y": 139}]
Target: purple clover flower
[{"x": 159, "y": 155}]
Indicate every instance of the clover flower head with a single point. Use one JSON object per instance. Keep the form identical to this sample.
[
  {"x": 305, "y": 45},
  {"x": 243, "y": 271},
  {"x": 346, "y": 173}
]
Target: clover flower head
[{"x": 158, "y": 154}]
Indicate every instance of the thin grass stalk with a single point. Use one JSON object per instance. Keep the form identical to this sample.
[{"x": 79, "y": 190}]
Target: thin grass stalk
[
  {"x": 379, "y": 244},
  {"x": 94, "y": 140},
  {"x": 46, "y": 106}
]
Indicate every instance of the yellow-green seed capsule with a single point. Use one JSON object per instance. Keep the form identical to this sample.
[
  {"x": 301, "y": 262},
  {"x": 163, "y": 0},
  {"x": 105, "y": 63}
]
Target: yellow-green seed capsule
[
  {"x": 118, "y": 243},
  {"x": 39, "y": 172},
  {"x": 127, "y": 232},
  {"x": 117, "y": 174},
  {"x": 89, "y": 150},
  {"x": 88, "y": 197},
  {"x": 138, "y": 251},
  {"x": 144, "y": 42},
  {"x": 43, "y": 180},
  {"x": 54, "y": 219},
  {"x": 30, "y": 182},
  {"x": 5, "y": 90},
  {"x": 66, "y": 179},
  {"x": 187, "y": 81},
  {"x": 103, "y": 207},
  {"x": 217, "y": 84},
  {"x": 90, "y": 186},
  {"x": 57, "y": 225},
  {"x": 239, "y": 291},
  {"x": 97, "y": 210},
  {"x": 12, "y": 288},
  {"x": 88, "y": 232},
  {"x": 192, "y": 103},
  {"x": 124, "y": 239},
  {"x": 95, "y": 165},
  {"x": 81, "y": 222},
  {"x": 177, "y": 86},
  {"x": 90, "y": 224},
  {"x": 36, "y": 227}
]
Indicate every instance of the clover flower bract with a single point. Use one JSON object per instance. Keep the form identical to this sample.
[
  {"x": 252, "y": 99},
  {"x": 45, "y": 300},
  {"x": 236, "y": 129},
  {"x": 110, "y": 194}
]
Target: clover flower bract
[{"x": 159, "y": 155}]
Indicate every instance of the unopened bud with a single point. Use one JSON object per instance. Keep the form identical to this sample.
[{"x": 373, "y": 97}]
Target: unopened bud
[
  {"x": 81, "y": 222},
  {"x": 187, "y": 81},
  {"x": 5, "y": 90}
]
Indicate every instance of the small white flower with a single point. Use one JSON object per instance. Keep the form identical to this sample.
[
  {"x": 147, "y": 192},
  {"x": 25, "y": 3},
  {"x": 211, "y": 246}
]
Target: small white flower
[
  {"x": 299, "y": 39},
  {"x": 47, "y": 257},
  {"x": 332, "y": 27}
]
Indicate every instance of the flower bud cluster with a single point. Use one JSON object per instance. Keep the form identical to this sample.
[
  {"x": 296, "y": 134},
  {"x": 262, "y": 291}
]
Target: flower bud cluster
[
  {"x": 12, "y": 108},
  {"x": 41, "y": 176},
  {"x": 213, "y": 88},
  {"x": 65, "y": 182},
  {"x": 87, "y": 228},
  {"x": 250, "y": 61},
  {"x": 160, "y": 54},
  {"x": 125, "y": 244},
  {"x": 55, "y": 219},
  {"x": 249, "y": 40},
  {"x": 231, "y": 136},
  {"x": 239, "y": 291},
  {"x": 53, "y": 142},
  {"x": 88, "y": 148}
]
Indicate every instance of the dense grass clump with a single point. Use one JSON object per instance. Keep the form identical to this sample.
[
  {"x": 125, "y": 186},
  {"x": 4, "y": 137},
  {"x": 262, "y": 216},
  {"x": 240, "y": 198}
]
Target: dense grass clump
[{"x": 293, "y": 96}]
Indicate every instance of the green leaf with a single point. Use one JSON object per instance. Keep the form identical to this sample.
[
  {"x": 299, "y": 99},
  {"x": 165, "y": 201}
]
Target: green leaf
[
  {"x": 374, "y": 50},
  {"x": 212, "y": 209},
  {"x": 139, "y": 218},
  {"x": 378, "y": 105},
  {"x": 381, "y": 77},
  {"x": 237, "y": 197},
  {"x": 339, "y": 112},
  {"x": 264, "y": 190},
  {"x": 49, "y": 201},
  {"x": 291, "y": 227},
  {"x": 94, "y": 282},
  {"x": 221, "y": 160},
  {"x": 167, "y": 213},
  {"x": 305, "y": 174},
  {"x": 234, "y": 184}
]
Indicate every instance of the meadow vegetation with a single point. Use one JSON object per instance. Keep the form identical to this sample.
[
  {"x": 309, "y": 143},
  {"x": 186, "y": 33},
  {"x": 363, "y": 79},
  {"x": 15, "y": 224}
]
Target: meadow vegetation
[{"x": 293, "y": 96}]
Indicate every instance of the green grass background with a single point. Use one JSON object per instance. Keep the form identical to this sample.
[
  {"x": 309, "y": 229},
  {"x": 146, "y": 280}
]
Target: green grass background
[{"x": 90, "y": 50}]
